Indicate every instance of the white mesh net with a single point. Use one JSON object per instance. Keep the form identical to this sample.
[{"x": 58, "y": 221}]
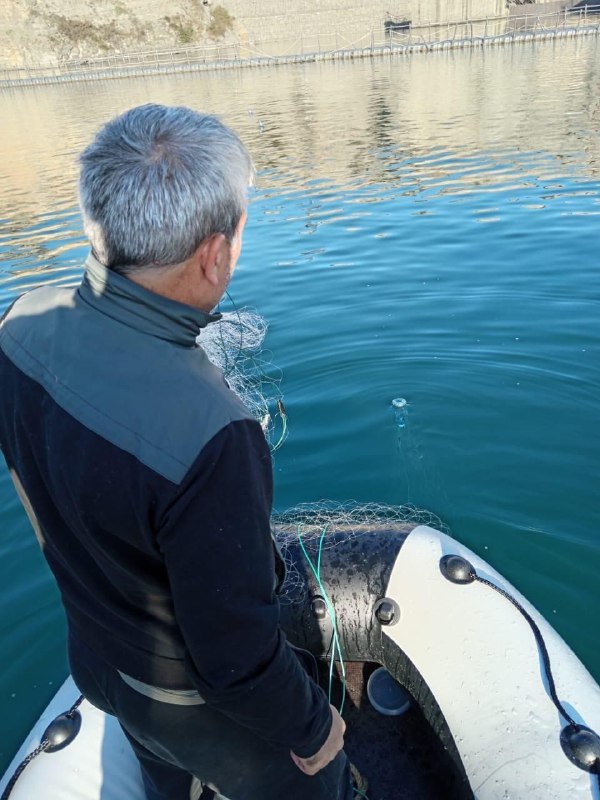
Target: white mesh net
[
  {"x": 319, "y": 525},
  {"x": 234, "y": 344}
]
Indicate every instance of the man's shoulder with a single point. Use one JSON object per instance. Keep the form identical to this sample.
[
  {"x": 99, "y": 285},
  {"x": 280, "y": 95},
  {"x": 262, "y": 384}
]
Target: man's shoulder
[
  {"x": 39, "y": 301},
  {"x": 156, "y": 401},
  {"x": 30, "y": 321}
]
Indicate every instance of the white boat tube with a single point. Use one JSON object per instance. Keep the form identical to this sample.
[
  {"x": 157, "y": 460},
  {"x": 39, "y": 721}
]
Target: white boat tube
[
  {"x": 480, "y": 660},
  {"x": 98, "y": 764}
]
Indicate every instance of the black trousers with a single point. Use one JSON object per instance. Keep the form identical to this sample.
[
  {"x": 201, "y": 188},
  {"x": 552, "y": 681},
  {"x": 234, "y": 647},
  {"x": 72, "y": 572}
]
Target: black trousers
[{"x": 175, "y": 744}]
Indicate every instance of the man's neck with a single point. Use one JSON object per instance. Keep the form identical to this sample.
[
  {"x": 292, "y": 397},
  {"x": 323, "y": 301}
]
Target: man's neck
[{"x": 175, "y": 282}]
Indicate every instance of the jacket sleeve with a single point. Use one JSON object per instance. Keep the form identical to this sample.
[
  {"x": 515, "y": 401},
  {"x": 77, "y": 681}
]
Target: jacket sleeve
[{"x": 216, "y": 541}]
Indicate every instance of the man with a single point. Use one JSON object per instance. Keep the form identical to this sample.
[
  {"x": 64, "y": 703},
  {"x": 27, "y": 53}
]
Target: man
[{"x": 149, "y": 484}]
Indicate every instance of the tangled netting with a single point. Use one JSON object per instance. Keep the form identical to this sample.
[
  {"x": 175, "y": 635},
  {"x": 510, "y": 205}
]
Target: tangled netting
[
  {"x": 234, "y": 344},
  {"x": 319, "y": 526}
]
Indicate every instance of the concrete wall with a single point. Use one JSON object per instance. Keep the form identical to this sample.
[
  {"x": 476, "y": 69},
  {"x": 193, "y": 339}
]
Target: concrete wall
[{"x": 273, "y": 20}]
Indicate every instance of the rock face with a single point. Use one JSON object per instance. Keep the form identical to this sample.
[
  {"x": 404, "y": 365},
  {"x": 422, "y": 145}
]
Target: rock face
[
  {"x": 37, "y": 33},
  {"x": 45, "y": 32}
]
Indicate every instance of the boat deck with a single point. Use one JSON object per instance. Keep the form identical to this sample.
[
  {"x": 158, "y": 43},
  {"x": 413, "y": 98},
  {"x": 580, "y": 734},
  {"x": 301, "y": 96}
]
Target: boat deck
[{"x": 400, "y": 756}]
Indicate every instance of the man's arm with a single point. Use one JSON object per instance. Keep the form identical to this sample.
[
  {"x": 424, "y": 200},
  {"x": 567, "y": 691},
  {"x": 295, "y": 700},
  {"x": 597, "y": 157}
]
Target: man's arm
[{"x": 217, "y": 545}]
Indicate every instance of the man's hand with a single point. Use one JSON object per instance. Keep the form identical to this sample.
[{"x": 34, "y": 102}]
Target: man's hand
[{"x": 332, "y": 746}]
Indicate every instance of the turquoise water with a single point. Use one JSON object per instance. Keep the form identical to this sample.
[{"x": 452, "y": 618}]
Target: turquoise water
[{"x": 425, "y": 228}]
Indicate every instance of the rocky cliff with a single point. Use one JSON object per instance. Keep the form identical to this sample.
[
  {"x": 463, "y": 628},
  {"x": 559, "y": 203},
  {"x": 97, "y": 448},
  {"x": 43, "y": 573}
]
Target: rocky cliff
[{"x": 44, "y": 32}]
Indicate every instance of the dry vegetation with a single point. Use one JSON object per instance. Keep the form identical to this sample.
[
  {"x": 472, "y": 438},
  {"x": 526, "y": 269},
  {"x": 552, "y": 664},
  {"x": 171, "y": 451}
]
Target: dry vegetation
[
  {"x": 187, "y": 31},
  {"x": 77, "y": 31},
  {"x": 220, "y": 23},
  {"x": 57, "y": 30}
]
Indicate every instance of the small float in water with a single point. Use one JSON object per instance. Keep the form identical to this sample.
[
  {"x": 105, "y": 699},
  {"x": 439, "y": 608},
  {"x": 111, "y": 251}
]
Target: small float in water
[{"x": 500, "y": 706}]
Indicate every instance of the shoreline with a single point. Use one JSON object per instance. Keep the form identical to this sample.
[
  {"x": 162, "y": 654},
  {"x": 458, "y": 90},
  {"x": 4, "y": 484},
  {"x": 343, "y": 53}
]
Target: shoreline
[{"x": 345, "y": 53}]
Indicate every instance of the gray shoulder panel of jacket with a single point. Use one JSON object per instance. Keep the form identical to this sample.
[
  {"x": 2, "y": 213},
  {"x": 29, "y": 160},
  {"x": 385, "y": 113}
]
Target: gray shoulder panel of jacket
[{"x": 156, "y": 400}]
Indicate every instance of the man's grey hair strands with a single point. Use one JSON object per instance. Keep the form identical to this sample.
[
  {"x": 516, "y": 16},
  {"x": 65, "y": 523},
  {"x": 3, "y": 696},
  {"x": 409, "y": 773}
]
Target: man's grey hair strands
[{"x": 158, "y": 180}]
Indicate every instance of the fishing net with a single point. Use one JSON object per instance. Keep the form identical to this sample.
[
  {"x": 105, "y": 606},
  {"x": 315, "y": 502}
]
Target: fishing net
[
  {"x": 235, "y": 345},
  {"x": 318, "y": 526}
]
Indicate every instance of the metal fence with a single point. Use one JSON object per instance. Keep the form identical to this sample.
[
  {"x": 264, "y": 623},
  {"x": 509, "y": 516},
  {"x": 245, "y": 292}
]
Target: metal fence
[{"x": 392, "y": 36}]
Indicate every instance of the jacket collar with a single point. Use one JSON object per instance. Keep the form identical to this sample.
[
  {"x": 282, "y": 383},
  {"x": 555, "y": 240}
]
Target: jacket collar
[{"x": 139, "y": 308}]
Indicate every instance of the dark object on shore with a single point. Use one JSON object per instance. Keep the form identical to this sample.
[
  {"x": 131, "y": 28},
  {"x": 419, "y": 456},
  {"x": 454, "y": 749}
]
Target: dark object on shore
[
  {"x": 396, "y": 26},
  {"x": 588, "y": 8}
]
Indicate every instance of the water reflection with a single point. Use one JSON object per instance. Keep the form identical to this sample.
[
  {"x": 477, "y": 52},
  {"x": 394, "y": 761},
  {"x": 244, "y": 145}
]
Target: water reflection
[{"x": 358, "y": 123}]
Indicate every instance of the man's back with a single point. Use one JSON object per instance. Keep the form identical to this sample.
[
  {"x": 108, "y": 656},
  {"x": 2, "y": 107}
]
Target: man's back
[{"x": 107, "y": 405}]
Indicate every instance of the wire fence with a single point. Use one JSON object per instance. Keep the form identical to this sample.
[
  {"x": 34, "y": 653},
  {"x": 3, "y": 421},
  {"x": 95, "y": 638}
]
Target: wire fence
[{"x": 392, "y": 36}]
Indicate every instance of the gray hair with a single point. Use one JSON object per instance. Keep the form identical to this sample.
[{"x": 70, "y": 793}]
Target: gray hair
[{"x": 157, "y": 181}]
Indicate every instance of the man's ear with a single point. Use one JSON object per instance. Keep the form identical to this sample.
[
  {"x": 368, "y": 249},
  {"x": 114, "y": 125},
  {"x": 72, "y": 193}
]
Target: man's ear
[{"x": 213, "y": 253}]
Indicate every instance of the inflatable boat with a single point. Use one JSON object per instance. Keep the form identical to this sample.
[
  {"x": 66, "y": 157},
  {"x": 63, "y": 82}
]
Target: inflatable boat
[{"x": 500, "y": 706}]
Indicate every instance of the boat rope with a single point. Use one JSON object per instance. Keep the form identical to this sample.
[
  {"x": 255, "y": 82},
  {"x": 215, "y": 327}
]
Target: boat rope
[
  {"x": 284, "y": 432},
  {"x": 580, "y": 744},
  {"x": 335, "y": 646},
  {"x": 590, "y": 766},
  {"x": 335, "y": 637},
  {"x": 540, "y": 641},
  {"x": 55, "y": 737}
]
